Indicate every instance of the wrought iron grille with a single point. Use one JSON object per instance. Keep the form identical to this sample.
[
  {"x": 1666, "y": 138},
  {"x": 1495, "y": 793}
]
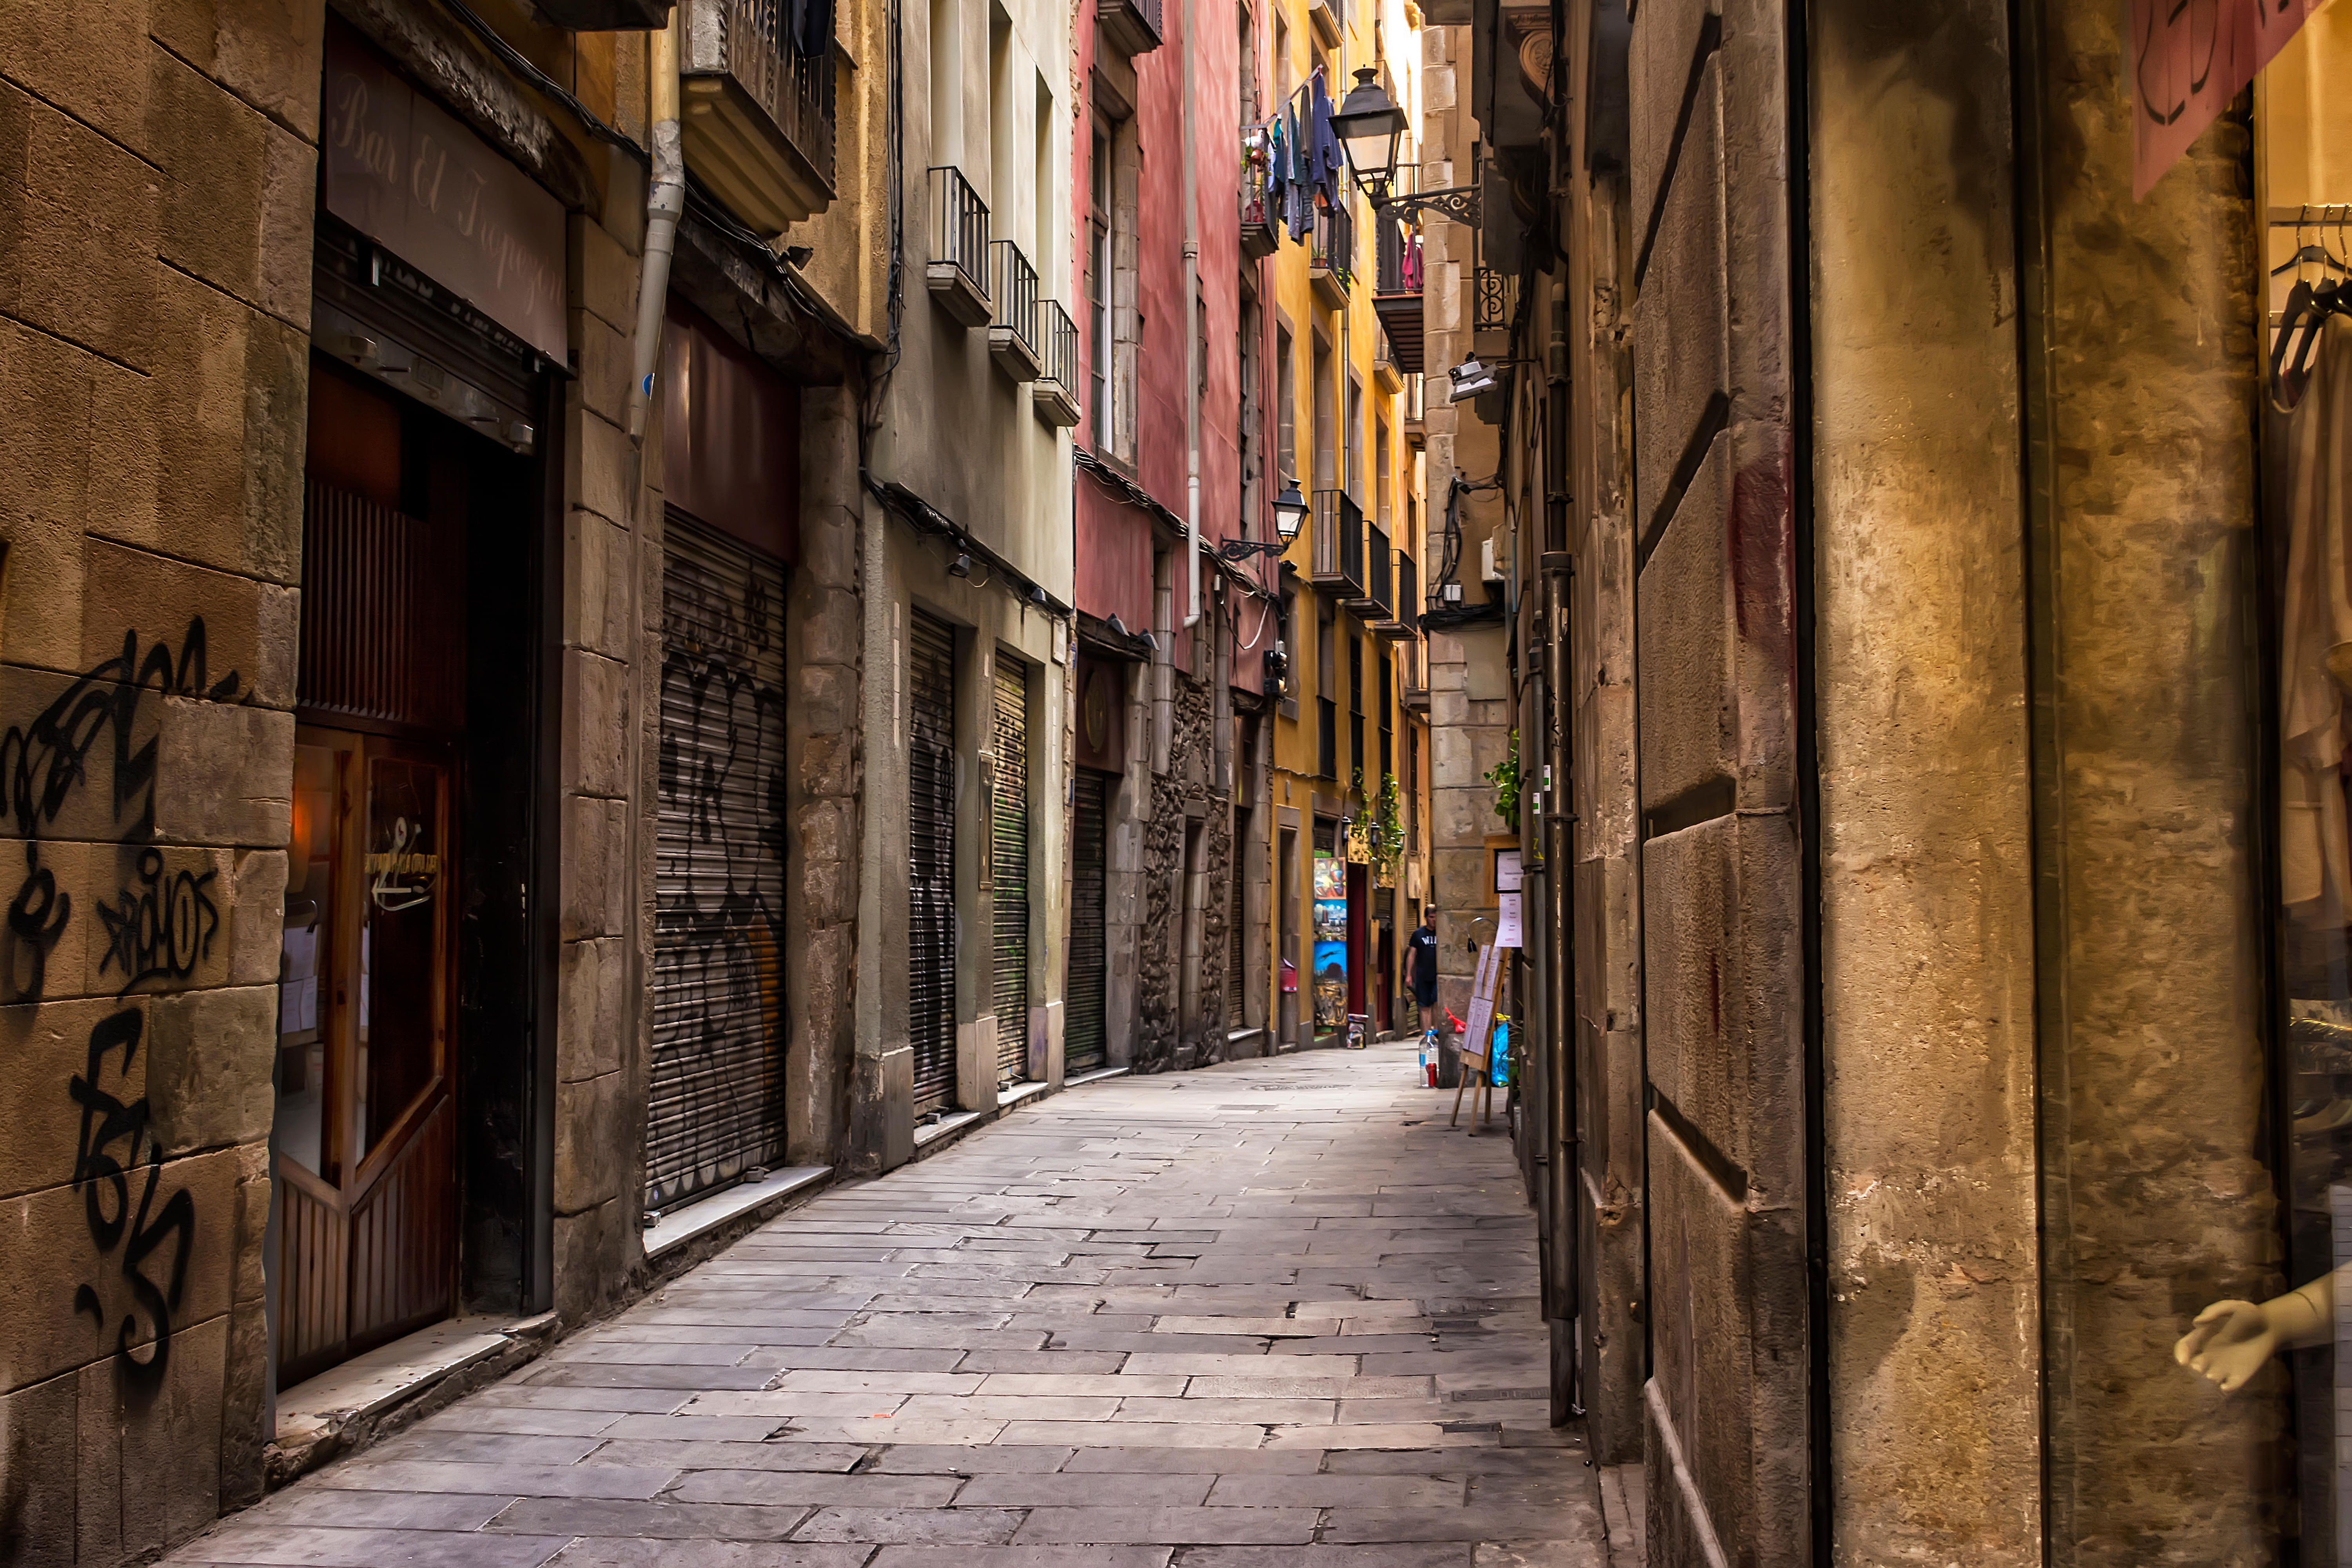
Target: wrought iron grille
[
  {"x": 1327, "y": 738},
  {"x": 1377, "y": 559},
  {"x": 1497, "y": 298},
  {"x": 795, "y": 89},
  {"x": 1335, "y": 243},
  {"x": 1058, "y": 343},
  {"x": 1016, "y": 293},
  {"x": 1397, "y": 257},
  {"x": 959, "y": 226},
  {"x": 1338, "y": 538},
  {"x": 1408, "y": 588}
]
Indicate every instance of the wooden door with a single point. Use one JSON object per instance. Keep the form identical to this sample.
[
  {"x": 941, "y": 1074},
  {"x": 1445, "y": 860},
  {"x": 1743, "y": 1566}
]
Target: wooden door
[{"x": 366, "y": 1157}]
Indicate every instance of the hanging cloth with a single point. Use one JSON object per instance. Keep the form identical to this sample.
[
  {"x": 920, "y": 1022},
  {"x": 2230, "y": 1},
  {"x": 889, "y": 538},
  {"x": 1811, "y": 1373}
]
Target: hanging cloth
[
  {"x": 1329, "y": 158},
  {"x": 2315, "y": 644},
  {"x": 1299, "y": 203}
]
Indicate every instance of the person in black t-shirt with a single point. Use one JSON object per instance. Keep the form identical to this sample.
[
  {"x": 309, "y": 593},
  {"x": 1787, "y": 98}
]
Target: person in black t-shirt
[{"x": 1421, "y": 950}]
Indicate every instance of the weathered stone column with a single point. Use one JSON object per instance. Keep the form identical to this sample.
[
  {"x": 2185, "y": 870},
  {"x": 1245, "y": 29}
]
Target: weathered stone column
[
  {"x": 1927, "y": 909},
  {"x": 2156, "y": 1186}
]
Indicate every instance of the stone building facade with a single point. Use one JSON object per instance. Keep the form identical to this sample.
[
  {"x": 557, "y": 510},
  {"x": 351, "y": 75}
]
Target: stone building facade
[{"x": 1931, "y": 1005}]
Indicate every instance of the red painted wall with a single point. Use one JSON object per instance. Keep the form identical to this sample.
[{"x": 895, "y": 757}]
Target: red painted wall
[{"x": 1115, "y": 537}]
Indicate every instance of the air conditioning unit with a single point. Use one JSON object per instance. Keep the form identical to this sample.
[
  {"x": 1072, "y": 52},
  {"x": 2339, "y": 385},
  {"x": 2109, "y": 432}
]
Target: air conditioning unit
[{"x": 1489, "y": 569}]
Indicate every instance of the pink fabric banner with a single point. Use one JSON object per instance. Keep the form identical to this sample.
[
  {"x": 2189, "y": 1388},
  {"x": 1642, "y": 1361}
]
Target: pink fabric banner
[{"x": 2188, "y": 58}]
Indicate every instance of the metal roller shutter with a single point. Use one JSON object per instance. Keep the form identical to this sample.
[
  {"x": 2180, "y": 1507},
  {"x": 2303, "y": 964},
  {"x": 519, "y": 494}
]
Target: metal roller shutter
[
  {"x": 1082, "y": 1014},
  {"x": 1010, "y": 848},
  {"x": 715, "y": 1104},
  {"x": 1235, "y": 933},
  {"x": 930, "y": 855}
]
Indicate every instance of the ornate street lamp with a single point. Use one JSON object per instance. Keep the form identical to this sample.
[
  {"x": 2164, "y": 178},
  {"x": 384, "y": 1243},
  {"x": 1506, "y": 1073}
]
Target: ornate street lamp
[
  {"x": 1290, "y": 512},
  {"x": 1368, "y": 124}
]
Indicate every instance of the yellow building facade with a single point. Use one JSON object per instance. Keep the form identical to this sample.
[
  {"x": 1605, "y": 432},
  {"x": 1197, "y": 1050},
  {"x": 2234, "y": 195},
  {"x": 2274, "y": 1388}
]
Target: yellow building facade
[{"x": 1349, "y": 755}]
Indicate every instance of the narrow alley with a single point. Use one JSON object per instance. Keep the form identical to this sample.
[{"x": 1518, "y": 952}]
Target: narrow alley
[{"x": 1274, "y": 1313}]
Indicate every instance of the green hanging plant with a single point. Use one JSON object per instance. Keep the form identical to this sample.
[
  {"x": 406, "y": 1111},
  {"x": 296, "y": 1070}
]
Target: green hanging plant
[
  {"x": 1506, "y": 780},
  {"x": 1388, "y": 829}
]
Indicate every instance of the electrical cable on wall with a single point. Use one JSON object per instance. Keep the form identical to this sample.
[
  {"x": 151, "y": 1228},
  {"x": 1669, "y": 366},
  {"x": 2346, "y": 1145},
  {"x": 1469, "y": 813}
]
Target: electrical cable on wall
[{"x": 515, "y": 61}]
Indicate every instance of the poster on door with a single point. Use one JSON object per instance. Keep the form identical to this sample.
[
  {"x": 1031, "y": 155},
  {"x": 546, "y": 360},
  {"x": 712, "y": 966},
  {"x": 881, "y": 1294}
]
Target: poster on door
[
  {"x": 2186, "y": 59},
  {"x": 1330, "y": 943}
]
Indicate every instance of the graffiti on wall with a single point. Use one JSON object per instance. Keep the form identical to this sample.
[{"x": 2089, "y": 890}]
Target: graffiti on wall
[
  {"x": 46, "y": 762},
  {"x": 114, "y": 1149},
  {"x": 716, "y": 1075},
  {"x": 158, "y": 928}
]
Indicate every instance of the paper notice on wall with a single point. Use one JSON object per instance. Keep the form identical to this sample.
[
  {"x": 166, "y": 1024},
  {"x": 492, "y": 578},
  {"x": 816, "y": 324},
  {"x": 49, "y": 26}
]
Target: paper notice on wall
[
  {"x": 1507, "y": 931},
  {"x": 1481, "y": 1003},
  {"x": 2184, "y": 61}
]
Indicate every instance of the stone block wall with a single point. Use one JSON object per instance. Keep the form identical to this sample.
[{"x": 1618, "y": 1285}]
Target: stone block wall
[
  {"x": 1715, "y": 562},
  {"x": 156, "y": 187}
]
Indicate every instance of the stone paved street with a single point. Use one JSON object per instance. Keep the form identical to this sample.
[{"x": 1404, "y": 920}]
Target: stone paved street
[{"x": 1271, "y": 1313}]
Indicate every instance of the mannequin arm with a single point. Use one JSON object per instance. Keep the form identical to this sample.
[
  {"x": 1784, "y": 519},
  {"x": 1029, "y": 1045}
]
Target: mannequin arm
[{"x": 2230, "y": 1341}]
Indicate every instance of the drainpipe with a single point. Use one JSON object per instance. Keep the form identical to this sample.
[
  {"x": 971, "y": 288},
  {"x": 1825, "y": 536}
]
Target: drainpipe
[
  {"x": 1191, "y": 347},
  {"x": 664, "y": 205}
]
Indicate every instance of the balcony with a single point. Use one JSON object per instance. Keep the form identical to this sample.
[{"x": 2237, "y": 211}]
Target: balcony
[
  {"x": 1401, "y": 623},
  {"x": 1130, "y": 26},
  {"x": 1012, "y": 332},
  {"x": 1054, "y": 394},
  {"x": 1327, "y": 738},
  {"x": 1372, "y": 604},
  {"x": 1356, "y": 753},
  {"x": 957, "y": 273},
  {"x": 1261, "y": 224},
  {"x": 1412, "y": 676},
  {"x": 1330, "y": 264},
  {"x": 1396, "y": 291},
  {"x": 1416, "y": 424},
  {"x": 1330, "y": 18},
  {"x": 1338, "y": 560},
  {"x": 758, "y": 112}
]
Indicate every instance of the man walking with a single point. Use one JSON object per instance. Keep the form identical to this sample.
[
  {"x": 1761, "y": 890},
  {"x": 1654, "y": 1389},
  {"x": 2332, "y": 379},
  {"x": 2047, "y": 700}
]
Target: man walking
[{"x": 1421, "y": 950}]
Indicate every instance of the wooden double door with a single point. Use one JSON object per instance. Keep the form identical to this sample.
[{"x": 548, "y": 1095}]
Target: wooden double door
[{"x": 366, "y": 1116}]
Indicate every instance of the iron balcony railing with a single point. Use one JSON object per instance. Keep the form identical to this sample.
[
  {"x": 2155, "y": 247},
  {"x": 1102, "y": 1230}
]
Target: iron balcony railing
[
  {"x": 1327, "y": 738},
  {"x": 1338, "y": 560},
  {"x": 1408, "y": 590},
  {"x": 1397, "y": 259},
  {"x": 1335, "y": 244},
  {"x": 959, "y": 227},
  {"x": 1356, "y": 749},
  {"x": 1261, "y": 224},
  {"x": 1377, "y": 559},
  {"x": 790, "y": 78},
  {"x": 1016, "y": 294},
  {"x": 1413, "y": 681},
  {"x": 1058, "y": 345}
]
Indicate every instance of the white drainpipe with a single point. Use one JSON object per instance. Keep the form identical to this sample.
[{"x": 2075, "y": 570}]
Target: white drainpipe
[
  {"x": 1191, "y": 347},
  {"x": 664, "y": 205}
]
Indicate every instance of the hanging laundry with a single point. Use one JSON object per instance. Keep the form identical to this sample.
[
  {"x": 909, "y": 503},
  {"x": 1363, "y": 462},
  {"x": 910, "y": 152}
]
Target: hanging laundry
[
  {"x": 1298, "y": 195},
  {"x": 1330, "y": 157}
]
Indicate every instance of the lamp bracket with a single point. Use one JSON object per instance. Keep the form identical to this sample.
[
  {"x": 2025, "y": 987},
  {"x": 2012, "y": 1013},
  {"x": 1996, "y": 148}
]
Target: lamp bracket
[
  {"x": 1243, "y": 549},
  {"x": 1460, "y": 203}
]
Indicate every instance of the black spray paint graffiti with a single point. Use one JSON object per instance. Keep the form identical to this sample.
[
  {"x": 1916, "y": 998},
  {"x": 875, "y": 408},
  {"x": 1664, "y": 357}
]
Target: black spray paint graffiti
[
  {"x": 42, "y": 763},
  {"x": 163, "y": 929},
  {"x": 99, "y": 1171},
  {"x": 719, "y": 926}
]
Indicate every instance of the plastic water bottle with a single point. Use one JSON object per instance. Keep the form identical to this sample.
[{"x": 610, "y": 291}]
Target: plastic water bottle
[{"x": 1426, "y": 1075}]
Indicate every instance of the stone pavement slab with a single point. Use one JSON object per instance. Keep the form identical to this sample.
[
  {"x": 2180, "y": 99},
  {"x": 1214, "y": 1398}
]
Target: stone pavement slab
[{"x": 1271, "y": 1314}]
